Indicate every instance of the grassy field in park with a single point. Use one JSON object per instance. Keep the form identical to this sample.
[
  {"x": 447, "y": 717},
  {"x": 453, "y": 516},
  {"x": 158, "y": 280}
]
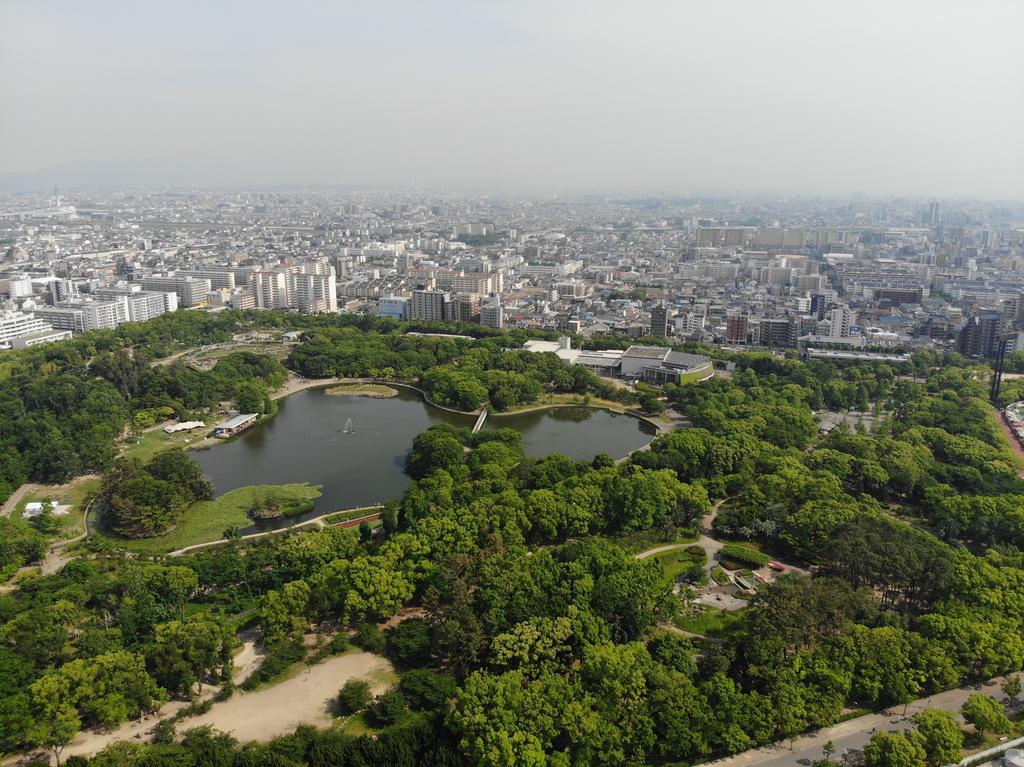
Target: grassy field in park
[{"x": 207, "y": 520}]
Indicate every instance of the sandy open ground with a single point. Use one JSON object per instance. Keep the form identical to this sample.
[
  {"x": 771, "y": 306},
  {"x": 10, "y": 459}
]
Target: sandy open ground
[
  {"x": 264, "y": 713},
  {"x": 302, "y": 699}
]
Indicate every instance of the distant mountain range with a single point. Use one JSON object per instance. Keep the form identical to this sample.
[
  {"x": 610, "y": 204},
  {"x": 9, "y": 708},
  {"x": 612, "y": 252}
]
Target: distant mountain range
[{"x": 148, "y": 173}]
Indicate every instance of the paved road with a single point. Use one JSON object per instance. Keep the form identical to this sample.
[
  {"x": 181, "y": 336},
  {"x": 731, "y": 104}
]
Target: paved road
[
  {"x": 1010, "y": 437},
  {"x": 850, "y": 735},
  {"x": 319, "y": 521}
]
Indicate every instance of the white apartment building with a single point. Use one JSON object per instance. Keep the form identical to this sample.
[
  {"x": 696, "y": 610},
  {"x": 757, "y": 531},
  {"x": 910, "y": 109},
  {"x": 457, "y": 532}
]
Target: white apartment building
[
  {"x": 81, "y": 316},
  {"x": 492, "y": 315},
  {"x": 692, "y": 321},
  {"x": 192, "y": 291},
  {"x": 810, "y": 282},
  {"x": 218, "y": 277},
  {"x": 547, "y": 269},
  {"x": 142, "y": 305},
  {"x": 270, "y": 289},
  {"x": 572, "y": 289},
  {"x": 478, "y": 283},
  {"x": 840, "y": 320},
  {"x": 16, "y": 286},
  {"x": 717, "y": 271},
  {"x": 14, "y": 324},
  {"x": 775, "y": 276},
  {"x": 314, "y": 293}
]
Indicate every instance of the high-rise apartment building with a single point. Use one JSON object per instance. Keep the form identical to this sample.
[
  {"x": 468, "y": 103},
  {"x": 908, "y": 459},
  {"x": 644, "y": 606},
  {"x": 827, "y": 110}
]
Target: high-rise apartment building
[
  {"x": 81, "y": 316},
  {"x": 429, "y": 305},
  {"x": 219, "y": 277},
  {"x": 141, "y": 305},
  {"x": 492, "y": 314},
  {"x": 692, "y": 321},
  {"x": 466, "y": 308},
  {"x": 659, "y": 320},
  {"x": 840, "y": 319},
  {"x": 980, "y": 336},
  {"x": 779, "y": 332},
  {"x": 737, "y": 328},
  {"x": 270, "y": 289},
  {"x": 192, "y": 291},
  {"x": 313, "y": 292}
]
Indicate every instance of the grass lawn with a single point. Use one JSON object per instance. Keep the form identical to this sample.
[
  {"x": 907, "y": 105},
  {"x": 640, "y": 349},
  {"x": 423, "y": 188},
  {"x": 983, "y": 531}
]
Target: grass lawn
[
  {"x": 720, "y": 576},
  {"x": 270, "y": 348},
  {"x": 678, "y": 561},
  {"x": 152, "y": 442},
  {"x": 207, "y": 520},
  {"x": 356, "y": 725},
  {"x": 712, "y": 622},
  {"x": 636, "y": 543},
  {"x": 694, "y": 376},
  {"x": 74, "y": 494},
  {"x": 361, "y": 389}
]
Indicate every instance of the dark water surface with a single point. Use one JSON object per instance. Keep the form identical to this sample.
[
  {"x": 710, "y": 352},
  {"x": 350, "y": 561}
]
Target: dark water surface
[{"x": 306, "y": 442}]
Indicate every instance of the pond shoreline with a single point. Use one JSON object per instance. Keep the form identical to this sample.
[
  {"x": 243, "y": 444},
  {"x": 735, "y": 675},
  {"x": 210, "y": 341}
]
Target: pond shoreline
[{"x": 324, "y": 383}]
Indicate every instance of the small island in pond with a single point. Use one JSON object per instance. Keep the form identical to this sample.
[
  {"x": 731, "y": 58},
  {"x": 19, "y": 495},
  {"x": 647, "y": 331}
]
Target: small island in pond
[{"x": 377, "y": 391}]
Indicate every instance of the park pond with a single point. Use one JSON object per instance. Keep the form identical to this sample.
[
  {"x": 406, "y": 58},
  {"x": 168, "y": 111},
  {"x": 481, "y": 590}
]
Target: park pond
[{"x": 355, "y": 447}]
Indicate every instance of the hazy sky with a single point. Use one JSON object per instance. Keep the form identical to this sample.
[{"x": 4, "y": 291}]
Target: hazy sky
[{"x": 897, "y": 96}]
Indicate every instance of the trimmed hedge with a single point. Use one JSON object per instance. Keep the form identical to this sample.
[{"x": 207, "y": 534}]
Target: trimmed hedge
[{"x": 745, "y": 555}]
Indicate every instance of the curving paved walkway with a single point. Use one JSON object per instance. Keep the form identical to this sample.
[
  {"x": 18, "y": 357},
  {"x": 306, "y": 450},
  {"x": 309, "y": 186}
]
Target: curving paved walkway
[{"x": 319, "y": 521}]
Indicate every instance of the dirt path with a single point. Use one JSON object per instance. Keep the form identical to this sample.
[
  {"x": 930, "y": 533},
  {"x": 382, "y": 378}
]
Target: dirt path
[
  {"x": 710, "y": 545},
  {"x": 15, "y": 498},
  {"x": 30, "y": 487},
  {"x": 295, "y": 384}
]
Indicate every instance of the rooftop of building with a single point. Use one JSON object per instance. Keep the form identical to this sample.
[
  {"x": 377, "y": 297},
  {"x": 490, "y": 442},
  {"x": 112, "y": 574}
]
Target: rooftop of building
[
  {"x": 239, "y": 420},
  {"x": 647, "y": 352}
]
